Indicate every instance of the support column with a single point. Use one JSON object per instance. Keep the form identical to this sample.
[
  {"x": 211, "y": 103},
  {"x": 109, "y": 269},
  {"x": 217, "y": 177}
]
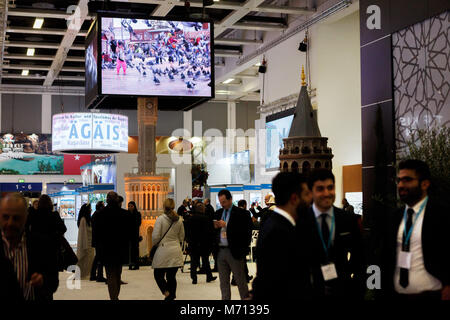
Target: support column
[
  {"x": 231, "y": 115},
  {"x": 231, "y": 127},
  {"x": 46, "y": 118},
  {"x": 147, "y": 118},
  {"x": 187, "y": 122}
]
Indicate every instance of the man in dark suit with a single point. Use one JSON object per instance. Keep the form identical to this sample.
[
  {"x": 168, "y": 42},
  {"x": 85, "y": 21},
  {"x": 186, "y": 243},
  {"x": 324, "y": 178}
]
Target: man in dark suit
[
  {"x": 112, "y": 238},
  {"x": 234, "y": 239},
  {"x": 200, "y": 236},
  {"x": 282, "y": 272},
  {"x": 97, "y": 266},
  {"x": 28, "y": 263},
  {"x": 334, "y": 243},
  {"x": 415, "y": 259}
]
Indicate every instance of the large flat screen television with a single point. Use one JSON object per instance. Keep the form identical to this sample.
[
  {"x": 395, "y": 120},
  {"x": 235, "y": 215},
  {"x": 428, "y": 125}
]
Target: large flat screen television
[
  {"x": 230, "y": 169},
  {"x": 277, "y": 128},
  {"x": 155, "y": 57}
]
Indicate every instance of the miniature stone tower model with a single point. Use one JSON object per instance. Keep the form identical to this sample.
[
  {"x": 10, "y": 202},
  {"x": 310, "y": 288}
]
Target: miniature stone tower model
[{"x": 305, "y": 148}]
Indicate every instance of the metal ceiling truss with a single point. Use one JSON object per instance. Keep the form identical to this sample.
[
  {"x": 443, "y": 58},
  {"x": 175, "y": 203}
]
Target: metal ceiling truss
[
  {"x": 3, "y": 25},
  {"x": 75, "y": 23}
]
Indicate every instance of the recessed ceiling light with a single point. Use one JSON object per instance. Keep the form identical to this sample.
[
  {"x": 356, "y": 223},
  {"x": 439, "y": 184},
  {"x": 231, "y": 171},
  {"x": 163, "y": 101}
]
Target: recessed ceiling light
[
  {"x": 30, "y": 52},
  {"x": 38, "y": 23},
  {"x": 25, "y": 72},
  {"x": 228, "y": 81},
  {"x": 258, "y": 64},
  {"x": 216, "y": 0}
]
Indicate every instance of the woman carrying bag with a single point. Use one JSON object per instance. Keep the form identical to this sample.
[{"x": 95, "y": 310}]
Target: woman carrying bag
[{"x": 168, "y": 233}]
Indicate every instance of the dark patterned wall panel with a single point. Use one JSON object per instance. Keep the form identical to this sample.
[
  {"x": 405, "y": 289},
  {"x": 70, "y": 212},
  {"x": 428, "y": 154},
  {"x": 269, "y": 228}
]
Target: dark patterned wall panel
[{"x": 421, "y": 65}]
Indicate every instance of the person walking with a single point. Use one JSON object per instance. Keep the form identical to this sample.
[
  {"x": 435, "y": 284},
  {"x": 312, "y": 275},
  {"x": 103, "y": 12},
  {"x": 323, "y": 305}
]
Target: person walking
[
  {"x": 85, "y": 251},
  {"x": 200, "y": 236},
  {"x": 168, "y": 233},
  {"x": 234, "y": 240},
  {"x": 48, "y": 223},
  {"x": 112, "y": 236},
  {"x": 136, "y": 221},
  {"x": 97, "y": 266}
]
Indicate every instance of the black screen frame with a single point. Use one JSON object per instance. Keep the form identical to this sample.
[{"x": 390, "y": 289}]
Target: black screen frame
[
  {"x": 101, "y": 15},
  {"x": 91, "y": 33}
]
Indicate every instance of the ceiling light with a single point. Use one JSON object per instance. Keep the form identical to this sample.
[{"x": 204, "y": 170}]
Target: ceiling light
[
  {"x": 216, "y": 0},
  {"x": 222, "y": 92},
  {"x": 258, "y": 64},
  {"x": 25, "y": 72},
  {"x": 38, "y": 23},
  {"x": 30, "y": 52},
  {"x": 228, "y": 81}
]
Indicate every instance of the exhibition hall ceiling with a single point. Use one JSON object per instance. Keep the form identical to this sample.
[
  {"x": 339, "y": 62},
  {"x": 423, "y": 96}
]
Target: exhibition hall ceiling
[{"x": 51, "y": 57}]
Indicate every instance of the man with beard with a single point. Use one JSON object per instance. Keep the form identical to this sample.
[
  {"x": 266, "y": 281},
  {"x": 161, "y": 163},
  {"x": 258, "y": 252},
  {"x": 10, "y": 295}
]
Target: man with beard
[
  {"x": 334, "y": 243},
  {"x": 415, "y": 259},
  {"x": 282, "y": 272}
]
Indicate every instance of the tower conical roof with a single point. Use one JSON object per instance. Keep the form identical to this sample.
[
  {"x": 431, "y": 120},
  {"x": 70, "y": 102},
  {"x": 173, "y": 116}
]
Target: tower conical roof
[{"x": 304, "y": 123}]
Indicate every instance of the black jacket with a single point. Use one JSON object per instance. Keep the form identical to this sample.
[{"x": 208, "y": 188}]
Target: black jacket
[
  {"x": 48, "y": 225},
  {"x": 435, "y": 245},
  {"x": 200, "y": 234},
  {"x": 135, "y": 223},
  {"x": 112, "y": 235},
  {"x": 209, "y": 211},
  {"x": 239, "y": 231},
  {"x": 282, "y": 271},
  {"x": 182, "y": 211},
  {"x": 347, "y": 240},
  {"x": 41, "y": 259}
]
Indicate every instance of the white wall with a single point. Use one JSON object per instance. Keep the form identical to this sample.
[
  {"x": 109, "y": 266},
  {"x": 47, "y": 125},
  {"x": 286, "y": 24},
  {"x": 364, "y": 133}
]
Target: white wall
[
  {"x": 337, "y": 77},
  {"x": 335, "y": 73}
]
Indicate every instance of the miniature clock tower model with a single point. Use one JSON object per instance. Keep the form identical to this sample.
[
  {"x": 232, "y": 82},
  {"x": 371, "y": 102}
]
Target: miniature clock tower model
[{"x": 145, "y": 188}]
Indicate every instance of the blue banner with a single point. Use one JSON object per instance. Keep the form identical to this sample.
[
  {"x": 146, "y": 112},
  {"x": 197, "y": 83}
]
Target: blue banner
[{"x": 18, "y": 187}]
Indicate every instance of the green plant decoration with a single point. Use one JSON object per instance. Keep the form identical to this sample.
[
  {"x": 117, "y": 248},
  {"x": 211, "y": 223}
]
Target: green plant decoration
[{"x": 433, "y": 147}]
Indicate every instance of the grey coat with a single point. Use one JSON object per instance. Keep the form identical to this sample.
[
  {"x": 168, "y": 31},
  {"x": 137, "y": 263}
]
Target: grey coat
[{"x": 169, "y": 253}]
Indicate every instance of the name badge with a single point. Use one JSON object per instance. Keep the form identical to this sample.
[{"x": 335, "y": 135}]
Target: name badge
[
  {"x": 404, "y": 260},
  {"x": 329, "y": 272},
  {"x": 223, "y": 234}
]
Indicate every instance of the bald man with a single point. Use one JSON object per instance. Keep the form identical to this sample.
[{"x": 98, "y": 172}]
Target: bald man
[{"x": 27, "y": 266}]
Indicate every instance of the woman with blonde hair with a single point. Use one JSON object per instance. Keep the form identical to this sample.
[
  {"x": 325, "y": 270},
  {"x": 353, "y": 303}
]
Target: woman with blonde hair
[{"x": 169, "y": 234}]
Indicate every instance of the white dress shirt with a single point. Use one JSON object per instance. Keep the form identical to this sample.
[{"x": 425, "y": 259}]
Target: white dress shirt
[
  {"x": 330, "y": 214},
  {"x": 283, "y": 213},
  {"x": 419, "y": 279}
]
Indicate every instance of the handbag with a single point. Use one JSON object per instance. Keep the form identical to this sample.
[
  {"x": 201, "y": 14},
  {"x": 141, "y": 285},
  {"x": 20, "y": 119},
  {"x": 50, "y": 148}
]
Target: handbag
[
  {"x": 155, "y": 246},
  {"x": 66, "y": 256}
]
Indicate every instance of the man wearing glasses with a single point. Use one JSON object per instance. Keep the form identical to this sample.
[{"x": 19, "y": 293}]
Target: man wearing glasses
[{"x": 416, "y": 260}]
